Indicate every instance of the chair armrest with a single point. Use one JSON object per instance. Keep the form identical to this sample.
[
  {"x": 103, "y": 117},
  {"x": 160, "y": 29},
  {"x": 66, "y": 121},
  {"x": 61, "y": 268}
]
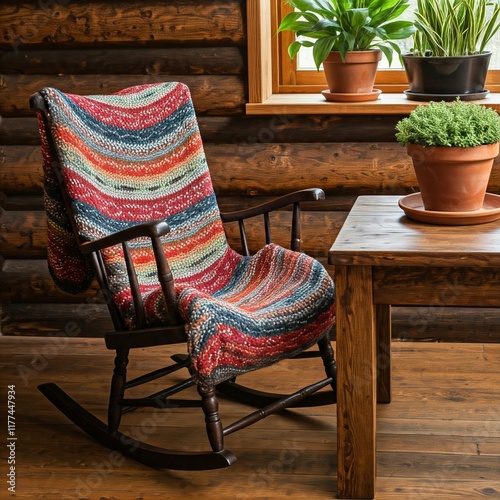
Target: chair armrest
[
  {"x": 312, "y": 194},
  {"x": 295, "y": 198},
  {"x": 151, "y": 229}
]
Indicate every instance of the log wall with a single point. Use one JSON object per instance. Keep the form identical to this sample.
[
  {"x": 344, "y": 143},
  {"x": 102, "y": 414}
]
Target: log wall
[{"x": 101, "y": 46}]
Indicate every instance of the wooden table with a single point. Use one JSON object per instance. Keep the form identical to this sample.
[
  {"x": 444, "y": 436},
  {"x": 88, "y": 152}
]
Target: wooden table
[{"x": 382, "y": 258}]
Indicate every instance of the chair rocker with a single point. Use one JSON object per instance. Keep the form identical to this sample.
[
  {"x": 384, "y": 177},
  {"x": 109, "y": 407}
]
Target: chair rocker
[{"x": 130, "y": 203}]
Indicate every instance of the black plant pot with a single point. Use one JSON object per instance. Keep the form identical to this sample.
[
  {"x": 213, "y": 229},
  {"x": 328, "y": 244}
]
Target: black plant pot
[{"x": 447, "y": 77}]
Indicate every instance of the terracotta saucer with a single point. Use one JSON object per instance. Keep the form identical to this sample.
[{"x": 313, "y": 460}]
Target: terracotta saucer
[
  {"x": 351, "y": 97},
  {"x": 413, "y": 207}
]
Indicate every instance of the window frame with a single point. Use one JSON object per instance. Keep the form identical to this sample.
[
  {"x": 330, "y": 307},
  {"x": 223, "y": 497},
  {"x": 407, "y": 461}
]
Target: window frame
[{"x": 274, "y": 80}]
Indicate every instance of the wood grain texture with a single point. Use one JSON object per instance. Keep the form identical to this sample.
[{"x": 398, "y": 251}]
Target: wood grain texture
[
  {"x": 90, "y": 316},
  {"x": 34, "y": 202},
  {"x": 238, "y": 129},
  {"x": 22, "y": 234},
  {"x": 28, "y": 280},
  {"x": 19, "y": 130},
  {"x": 437, "y": 286},
  {"x": 337, "y": 168},
  {"x": 383, "y": 327},
  {"x": 259, "y": 50},
  {"x": 391, "y": 102},
  {"x": 356, "y": 383},
  {"x": 126, "y": 61},
  {"x": 378, "y": 234},
  {"x": 259, "y": 169},
  {"x": 205, "y": 89},
  {"x": 340, "y": 169},
  {"x": 434, "y": 441},
  {"x": 21, "y": 170},
  {"x": 78, "y": 23}
]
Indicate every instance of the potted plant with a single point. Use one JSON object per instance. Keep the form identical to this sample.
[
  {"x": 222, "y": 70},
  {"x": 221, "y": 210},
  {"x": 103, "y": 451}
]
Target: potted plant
[
  {"x": 449, "y": 57},
  {"x": 452, "y": 146},
  {"x": 345, "y": 36}
]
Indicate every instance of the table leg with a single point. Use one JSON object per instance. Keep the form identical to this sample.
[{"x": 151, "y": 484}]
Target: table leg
[
  {"x": 356, "y": 382},
  {"x": 384, "y": 335}
]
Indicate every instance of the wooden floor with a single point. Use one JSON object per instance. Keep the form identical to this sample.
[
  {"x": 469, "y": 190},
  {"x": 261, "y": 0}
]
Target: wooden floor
[{"x": 438, "y": 439}]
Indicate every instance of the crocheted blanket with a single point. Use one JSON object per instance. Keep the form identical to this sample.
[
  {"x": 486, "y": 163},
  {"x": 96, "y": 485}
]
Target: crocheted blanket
[{"x": 137, "y": 156}]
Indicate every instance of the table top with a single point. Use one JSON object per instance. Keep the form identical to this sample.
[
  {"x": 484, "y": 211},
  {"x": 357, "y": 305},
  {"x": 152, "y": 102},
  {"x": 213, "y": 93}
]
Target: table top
[{"x": 378, "y": 233}]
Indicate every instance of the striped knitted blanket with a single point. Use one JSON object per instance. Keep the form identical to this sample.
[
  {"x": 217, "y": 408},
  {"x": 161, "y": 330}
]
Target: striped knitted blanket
[{"x": 137, "y": 156}]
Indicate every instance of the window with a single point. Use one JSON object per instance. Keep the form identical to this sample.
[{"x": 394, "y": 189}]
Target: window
[{"x": 273, "y": 74}]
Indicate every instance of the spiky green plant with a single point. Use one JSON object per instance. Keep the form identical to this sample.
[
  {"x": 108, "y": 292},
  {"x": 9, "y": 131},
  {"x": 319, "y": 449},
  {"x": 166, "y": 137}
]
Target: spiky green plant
[
  {"x": 454, "y": 27},
  {"x": 458, "y": 123},
  {"x": 346, "y": 25}
]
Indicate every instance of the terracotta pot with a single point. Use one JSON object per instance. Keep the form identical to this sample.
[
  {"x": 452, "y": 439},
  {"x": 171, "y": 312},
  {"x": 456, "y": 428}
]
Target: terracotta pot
[
  {"x": 453, "y": 179},
  {"x": 355, "y": 75}
]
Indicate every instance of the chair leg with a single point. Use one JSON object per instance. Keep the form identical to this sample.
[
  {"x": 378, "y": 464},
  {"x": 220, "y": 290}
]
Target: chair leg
[
  {"x": 117, "y": 390},
  {"x": 328, "y": 357},
  {"x": 213, "y": 423},
  {"x": 260, "y": 399}
]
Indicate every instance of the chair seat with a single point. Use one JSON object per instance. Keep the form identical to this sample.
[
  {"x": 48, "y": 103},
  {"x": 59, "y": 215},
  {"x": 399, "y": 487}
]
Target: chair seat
[{"x": 276, "y": 304}]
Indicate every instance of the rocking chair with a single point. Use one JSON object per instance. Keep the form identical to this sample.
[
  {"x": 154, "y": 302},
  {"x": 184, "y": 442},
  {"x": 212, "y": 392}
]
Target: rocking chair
[{"x": 130, "y": 203}]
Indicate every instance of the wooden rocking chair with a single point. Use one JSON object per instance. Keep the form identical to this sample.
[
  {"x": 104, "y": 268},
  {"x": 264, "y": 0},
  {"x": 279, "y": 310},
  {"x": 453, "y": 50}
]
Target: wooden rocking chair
[{"x": 130, "y": 202}]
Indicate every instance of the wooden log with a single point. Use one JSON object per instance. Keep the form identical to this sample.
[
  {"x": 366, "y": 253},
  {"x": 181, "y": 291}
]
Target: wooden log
[
  {"x": 20, "y": 131},
  {"x": 270, "y": 169},
  {"x": 343, "y": 169},
  {"x": 300, "y": 128},
  {"x": 212, "y": 94},
  {"x": 266, "y": 169},
  {"x": 352, "y": 168},
  {"x": 451, "y": 324},
  {"x": 23, "y": 233},
  {"x": 95, "y": 23},
  {"x": 29, "y": 280},
  {"x": 446, "y": 324},
  {"x": 123, "y": 61},
  {"x": 32, "y": 203},
  {"x": 90, "y": 318},
  {"x": 245, "y": 130},
  {"x": 21, "y": 169}
]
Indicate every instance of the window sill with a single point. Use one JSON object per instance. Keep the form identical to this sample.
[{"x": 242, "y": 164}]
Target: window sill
[{"x": 308, "y": 104}]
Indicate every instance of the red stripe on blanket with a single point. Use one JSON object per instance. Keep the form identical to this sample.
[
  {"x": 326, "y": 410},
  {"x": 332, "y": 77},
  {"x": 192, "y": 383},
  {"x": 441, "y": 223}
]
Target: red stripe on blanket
[{"x": 122, "y": 209}]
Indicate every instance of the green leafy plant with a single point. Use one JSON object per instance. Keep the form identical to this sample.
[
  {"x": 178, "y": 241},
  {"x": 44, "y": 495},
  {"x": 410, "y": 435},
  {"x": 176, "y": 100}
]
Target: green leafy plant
[
  {"x": 457, "y": 123},
  {"x": 346, "y": 25},
  {"x": 454, "y": 27}
]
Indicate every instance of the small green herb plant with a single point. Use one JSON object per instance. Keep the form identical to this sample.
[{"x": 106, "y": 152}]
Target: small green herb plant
[
  {"x": 454, "y": 27},
  {"x": 346, "y": 25},
  {"x": 453, "y": 124}
]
